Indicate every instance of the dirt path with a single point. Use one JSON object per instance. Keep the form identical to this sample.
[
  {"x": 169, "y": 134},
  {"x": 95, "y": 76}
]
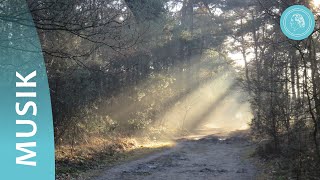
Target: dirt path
[{"x": 206, "y": 158}]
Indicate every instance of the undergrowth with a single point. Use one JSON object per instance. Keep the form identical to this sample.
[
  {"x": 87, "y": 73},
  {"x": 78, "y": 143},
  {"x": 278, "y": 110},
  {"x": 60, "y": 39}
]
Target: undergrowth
[{"x": 80, "y": 161}]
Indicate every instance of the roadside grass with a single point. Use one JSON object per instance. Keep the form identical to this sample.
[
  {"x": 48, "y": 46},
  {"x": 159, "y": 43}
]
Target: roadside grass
[{"x": 88, "y": 160}]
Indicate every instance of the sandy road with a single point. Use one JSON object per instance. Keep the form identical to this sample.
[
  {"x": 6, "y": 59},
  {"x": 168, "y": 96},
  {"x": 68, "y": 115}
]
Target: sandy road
[{"x": 209, "y": 157}]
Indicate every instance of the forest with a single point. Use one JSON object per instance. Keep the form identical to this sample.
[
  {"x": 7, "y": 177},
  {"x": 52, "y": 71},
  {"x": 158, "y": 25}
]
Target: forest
[{"x": 124, "y": 73}]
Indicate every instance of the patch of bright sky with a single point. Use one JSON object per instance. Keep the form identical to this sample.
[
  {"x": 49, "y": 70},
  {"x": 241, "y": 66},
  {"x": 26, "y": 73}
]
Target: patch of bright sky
[
  {"x": 316, "y": 7},
  {"x": 177, "y": 6},
  {"x": 174, "y": 6},
  {"x": 237, "y": 55},
  {"x": 217, "y": 11},
  {"x": 275, "y": 10},
  {"x": 121, "y": 18}
]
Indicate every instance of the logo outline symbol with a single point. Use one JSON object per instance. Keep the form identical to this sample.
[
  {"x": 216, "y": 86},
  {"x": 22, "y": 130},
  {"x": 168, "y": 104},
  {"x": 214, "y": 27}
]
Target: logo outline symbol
[{"x": 291, "y": 19}]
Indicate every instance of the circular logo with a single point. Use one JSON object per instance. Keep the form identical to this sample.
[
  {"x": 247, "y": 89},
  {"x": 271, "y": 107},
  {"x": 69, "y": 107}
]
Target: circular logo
[{"x": 297, "y": 22}]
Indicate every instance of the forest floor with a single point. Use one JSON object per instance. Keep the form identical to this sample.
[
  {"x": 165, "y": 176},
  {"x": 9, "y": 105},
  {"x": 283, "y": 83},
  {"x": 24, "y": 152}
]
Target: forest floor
[{"x": 218, "y": 156}]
